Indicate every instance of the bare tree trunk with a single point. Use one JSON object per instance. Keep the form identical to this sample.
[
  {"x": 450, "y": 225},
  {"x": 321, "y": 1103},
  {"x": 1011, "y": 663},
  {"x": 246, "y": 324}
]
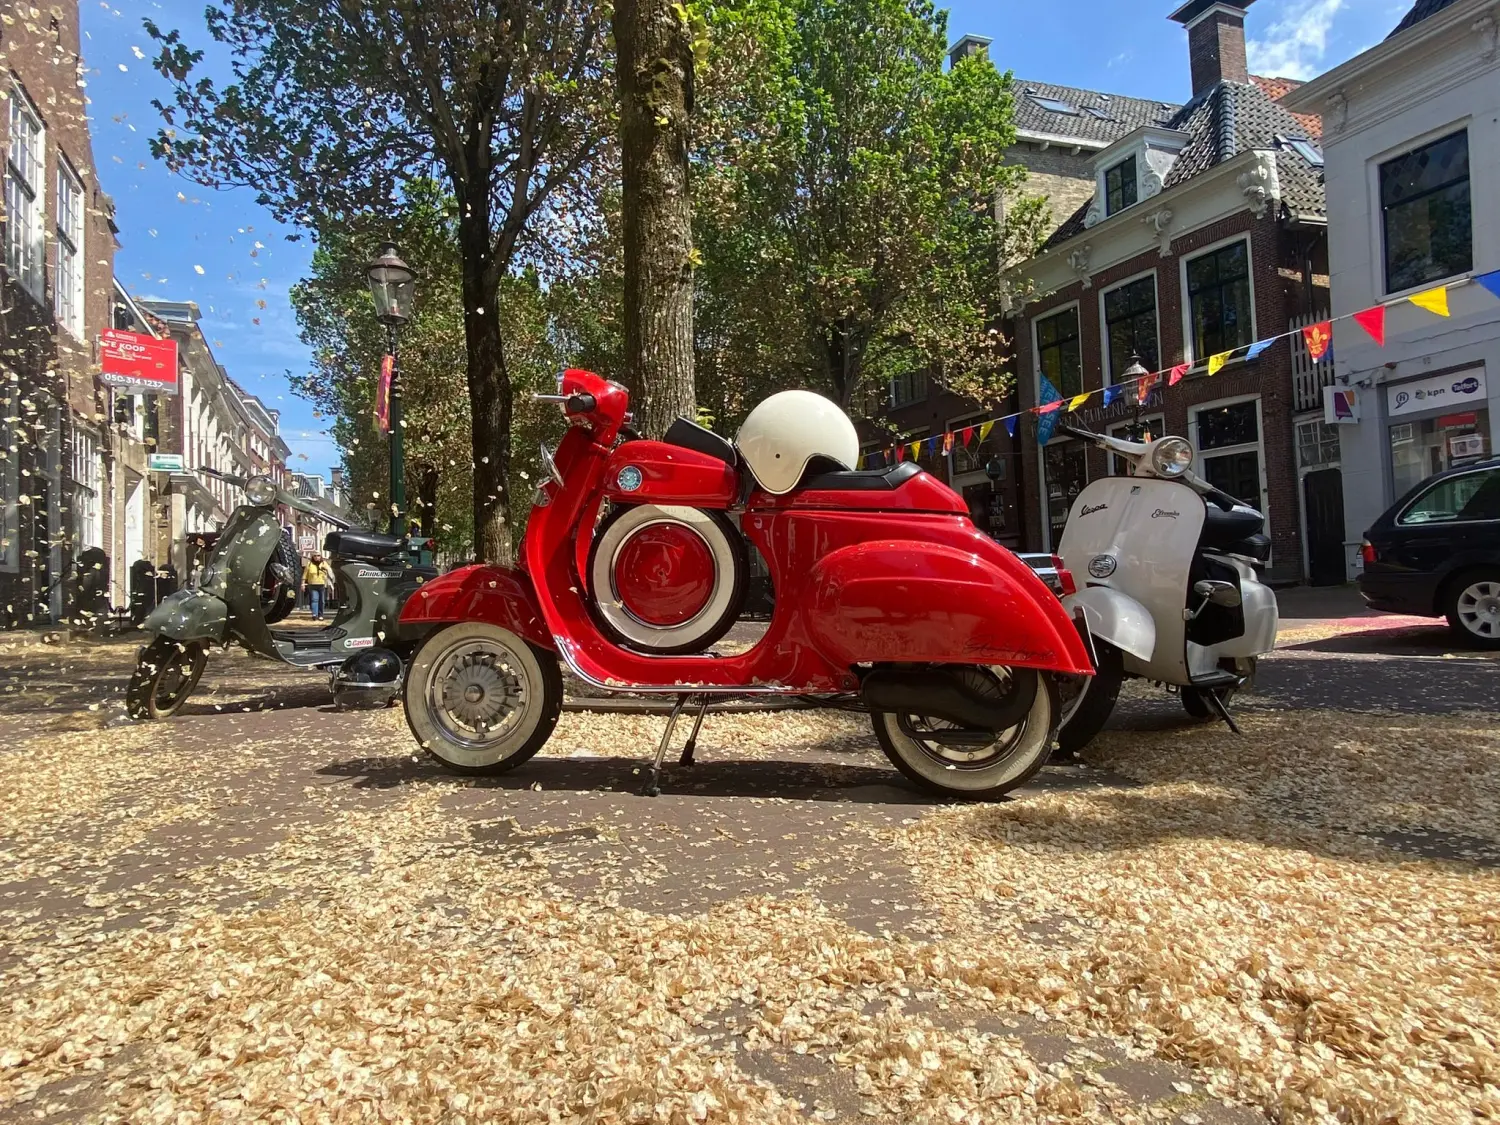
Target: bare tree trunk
[
  {"x": 489, "y": 388},
  {"x": 654, "y": 69},
  {"x": 427, "y": 490}
]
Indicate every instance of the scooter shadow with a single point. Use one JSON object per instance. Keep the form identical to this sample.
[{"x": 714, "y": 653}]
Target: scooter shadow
[{"x": 737, "y": 777}]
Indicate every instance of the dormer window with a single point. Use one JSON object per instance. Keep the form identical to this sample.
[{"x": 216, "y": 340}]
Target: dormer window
[
  {"x": 1054, "y": 105},
  {"x": 1120, "y": 187}
]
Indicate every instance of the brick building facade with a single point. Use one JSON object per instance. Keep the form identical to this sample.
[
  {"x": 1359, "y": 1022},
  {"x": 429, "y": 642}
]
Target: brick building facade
[{"x": 56, "y": 294}]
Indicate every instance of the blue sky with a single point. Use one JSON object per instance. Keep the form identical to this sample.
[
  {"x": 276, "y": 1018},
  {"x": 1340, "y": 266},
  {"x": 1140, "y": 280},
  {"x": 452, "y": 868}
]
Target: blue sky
[{"x": 218, "y": 248}]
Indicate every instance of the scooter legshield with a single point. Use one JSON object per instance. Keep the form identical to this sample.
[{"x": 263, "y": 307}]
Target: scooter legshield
[
  {"x": 189, "y": 615},
  {"x": 919, "y": 603},
  {"x": 495, "y": 595}
]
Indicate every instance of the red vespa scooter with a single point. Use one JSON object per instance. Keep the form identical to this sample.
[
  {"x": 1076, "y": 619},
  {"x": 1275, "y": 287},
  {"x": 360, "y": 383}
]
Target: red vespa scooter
[{"x": 882, "y": 587}]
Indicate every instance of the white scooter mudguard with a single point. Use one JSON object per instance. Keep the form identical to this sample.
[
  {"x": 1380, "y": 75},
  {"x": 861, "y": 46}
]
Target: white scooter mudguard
[
  {"x": 1262, "y": 616},
  {"x": 1117, "y": 618},
  {"x": 1150, "y": 528}
]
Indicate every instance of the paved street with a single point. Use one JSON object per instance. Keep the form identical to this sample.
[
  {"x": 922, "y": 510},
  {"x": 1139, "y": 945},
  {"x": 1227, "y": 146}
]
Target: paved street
[{"x": 268, "y": 910}]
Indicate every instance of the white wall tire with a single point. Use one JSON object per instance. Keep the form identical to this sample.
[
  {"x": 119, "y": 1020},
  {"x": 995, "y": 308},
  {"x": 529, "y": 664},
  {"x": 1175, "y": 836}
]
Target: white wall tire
[
  {"x": 1008, "y": 763},
  {"x": 480, "y": 699},
  {"x": 722, "y": 556}
]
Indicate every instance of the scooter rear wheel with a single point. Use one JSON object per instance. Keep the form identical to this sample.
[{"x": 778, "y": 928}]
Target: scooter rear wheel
[
  {"x": 481, "y": 699},
  {"x": 971, "y": 771},
  {"x": 165, "y": 676}
]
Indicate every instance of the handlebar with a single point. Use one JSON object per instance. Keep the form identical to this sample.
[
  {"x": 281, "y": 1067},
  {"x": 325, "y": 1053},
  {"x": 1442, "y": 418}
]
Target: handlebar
[{"x": 573, "y": 404}]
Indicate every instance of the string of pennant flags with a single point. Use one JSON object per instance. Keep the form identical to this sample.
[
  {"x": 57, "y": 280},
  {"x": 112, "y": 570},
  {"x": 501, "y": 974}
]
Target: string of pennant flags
[{"x": 1318, "y": 339}]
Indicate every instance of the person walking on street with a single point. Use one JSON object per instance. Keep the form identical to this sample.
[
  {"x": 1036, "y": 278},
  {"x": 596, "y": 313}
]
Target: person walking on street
[{"x": 316, "y": 576}]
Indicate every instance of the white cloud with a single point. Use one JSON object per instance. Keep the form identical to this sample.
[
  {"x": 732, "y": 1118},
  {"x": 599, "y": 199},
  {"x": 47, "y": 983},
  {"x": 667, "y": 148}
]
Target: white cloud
[{"x": 1294, "y": 46}]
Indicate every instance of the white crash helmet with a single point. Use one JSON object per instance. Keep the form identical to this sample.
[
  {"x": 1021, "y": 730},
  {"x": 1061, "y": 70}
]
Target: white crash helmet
[{"x": 787, "y": 431}]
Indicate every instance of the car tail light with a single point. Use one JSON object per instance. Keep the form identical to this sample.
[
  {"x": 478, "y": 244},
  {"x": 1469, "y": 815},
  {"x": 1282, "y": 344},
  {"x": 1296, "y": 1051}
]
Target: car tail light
[
  {"x": 1064, "y": 576},
  {"x": 1367, "y": 552}
]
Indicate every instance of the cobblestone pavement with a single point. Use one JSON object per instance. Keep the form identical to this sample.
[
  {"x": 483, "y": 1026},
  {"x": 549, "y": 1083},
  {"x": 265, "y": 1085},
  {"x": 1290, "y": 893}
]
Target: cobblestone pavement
[{"x": 803, "y": 811}]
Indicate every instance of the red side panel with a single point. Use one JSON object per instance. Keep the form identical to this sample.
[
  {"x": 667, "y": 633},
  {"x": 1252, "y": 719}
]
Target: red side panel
[
  {"x": 671, "y": 474},
  {"x": 492, "y": 594},
  {"x": 920, "y": 602}
]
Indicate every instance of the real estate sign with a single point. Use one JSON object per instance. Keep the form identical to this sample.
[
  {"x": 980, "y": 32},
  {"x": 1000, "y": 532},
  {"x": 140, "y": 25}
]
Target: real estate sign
[
  {"x": 165, "y": 463},
  {"x": 136, "y": 363}
]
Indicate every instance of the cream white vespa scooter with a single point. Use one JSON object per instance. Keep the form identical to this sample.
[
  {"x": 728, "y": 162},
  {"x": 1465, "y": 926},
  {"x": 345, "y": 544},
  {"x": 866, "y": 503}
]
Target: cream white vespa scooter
[{"x": 1166, "y": 566}]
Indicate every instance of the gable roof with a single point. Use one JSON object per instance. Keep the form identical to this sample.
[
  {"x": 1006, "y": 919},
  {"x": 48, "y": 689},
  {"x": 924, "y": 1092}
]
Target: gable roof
[
  {"x": 1125, "y": 115},
  {"x": 1226, "y": 121},
  {"x": 1419, "y": 12},
  {"x": 1278, "y": 88}
]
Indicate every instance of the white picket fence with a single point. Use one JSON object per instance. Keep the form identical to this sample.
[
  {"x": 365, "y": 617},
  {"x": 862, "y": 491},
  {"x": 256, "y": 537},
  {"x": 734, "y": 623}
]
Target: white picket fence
[{"x": 1308, "y": 378}]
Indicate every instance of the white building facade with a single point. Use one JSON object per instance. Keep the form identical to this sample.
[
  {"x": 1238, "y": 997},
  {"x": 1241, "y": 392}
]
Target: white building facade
[{"x": 1411, "y": 140}]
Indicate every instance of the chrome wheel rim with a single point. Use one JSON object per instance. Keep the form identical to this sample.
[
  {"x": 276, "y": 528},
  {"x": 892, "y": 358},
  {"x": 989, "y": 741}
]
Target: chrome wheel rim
[
  {"x": 478, "y": 693},
  {"x": 1479, "y": 609},
  {"x": 989, "y": 681}
]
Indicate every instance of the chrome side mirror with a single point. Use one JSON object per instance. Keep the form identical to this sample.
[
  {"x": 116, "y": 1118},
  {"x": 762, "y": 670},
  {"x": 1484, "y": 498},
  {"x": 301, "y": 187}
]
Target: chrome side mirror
[{"x": 1225, "y": 594}]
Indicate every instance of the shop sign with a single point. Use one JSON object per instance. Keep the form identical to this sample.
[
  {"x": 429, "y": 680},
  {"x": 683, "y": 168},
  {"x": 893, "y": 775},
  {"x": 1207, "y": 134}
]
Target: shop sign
[
  {"x": 1458, "y": 389},
  {"x": 1340, "y": 406},
  {"x": 165, "y": 463},
  {"x": 135, "y": 362},
  {"x": 1457, "y": 421},
  {"x": 309, "y": 543},
  {"x": 1466, "y": 445}
]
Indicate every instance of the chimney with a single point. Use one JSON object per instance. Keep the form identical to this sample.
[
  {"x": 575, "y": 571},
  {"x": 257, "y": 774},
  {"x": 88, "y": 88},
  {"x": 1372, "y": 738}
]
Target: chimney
[
  {"x": 1216, "y": 41},
  {"x": 968, "y": 45}
]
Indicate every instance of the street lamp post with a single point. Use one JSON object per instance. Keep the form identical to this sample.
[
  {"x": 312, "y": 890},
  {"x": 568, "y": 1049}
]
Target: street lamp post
[
  {"x": 393, "y": 285},
  {"x": 1130, "y": 375}
]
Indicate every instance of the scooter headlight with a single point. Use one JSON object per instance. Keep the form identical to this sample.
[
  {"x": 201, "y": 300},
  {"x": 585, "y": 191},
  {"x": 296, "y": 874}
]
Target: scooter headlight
[
  {"x": 1171, "y": 457},
  {"x": 260, "y": 491}
]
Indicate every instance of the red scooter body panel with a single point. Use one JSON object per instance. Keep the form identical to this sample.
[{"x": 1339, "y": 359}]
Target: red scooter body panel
[
  {"x": 671, "y": 474},
  {"x": 492, "y": 594}
]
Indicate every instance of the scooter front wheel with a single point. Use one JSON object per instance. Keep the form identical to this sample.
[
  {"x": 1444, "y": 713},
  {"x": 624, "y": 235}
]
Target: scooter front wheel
[
  {"x": 966, "y": 769},
  {"x": 165, "y": 675},
  {"x": 481, "y": 699}
]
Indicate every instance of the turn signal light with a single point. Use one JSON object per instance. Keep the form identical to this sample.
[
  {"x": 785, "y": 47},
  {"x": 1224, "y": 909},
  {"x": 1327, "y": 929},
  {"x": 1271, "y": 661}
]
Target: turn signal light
[
  {"x": 1367, "y": 552},
  {"x": 1064, "y": 576}
]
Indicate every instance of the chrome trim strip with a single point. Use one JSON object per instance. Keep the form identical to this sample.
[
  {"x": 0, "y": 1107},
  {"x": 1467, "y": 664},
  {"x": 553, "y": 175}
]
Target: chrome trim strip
[{"x": 564, "y": 648}]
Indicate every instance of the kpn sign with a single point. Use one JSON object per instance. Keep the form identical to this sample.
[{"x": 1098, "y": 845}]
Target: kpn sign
[{"x": 138, "y": 364}]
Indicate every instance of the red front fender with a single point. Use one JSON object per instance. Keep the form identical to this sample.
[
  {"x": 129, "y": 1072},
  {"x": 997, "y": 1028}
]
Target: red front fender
[
  {"x": 493, "y": 594},
  {"x": 919, "y": 603}
]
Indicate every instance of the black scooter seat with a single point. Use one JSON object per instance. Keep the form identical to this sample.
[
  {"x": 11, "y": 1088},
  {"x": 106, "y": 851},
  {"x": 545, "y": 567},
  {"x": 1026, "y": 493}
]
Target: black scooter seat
[
  {"x": 865, "y": 480},
  {"x": 369, "y": 546}
]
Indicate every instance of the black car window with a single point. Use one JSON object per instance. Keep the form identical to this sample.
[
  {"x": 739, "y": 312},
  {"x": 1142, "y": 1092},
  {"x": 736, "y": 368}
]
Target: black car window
[{"x": 1464, "y": 498}]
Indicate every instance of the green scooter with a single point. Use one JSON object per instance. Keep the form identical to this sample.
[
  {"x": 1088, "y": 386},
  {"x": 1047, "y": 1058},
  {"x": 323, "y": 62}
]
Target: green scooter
[{"x": 361, "y": 645}]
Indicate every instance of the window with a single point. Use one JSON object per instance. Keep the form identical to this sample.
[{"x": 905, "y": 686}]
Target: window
[
  {"x": 1317, "y": 444},
  {"x": 1055, "y": 105},
  {"x": 1424, "y": 203},
  {"x": 1119, "y": 186},
  {"x": 1057, "y": 353},
  {"x": 1098, "y": 112},
  {"x": 1065, "y": 470},
  {"x": 1130, "y": 325},
  {"x": 1420, "y": 449},
  {"x": 68, "y": 284},
  {"x": 1218, "y": 285},
  {"x": 973, "y": 457},
  {"x": 1229, "y": 449},
  {"x": 10, "y": 493},
  {"x": 88, "y": 485},
  {"x": 908, "y": 388},
  {"x": 24, "y": 191},
  {"x": 1466, "y": 498},
  {"x": 1305, "y": 149}
]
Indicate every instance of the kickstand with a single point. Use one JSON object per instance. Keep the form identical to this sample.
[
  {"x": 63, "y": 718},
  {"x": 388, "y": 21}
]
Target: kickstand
[
  {"x": 1216, "y": 701},
  {"x": 692, "y": 742},
  {"x": 652, "y": 787}
]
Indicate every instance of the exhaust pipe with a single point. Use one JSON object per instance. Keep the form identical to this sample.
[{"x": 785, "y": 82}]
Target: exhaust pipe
[{"x": 939, "y": 693}]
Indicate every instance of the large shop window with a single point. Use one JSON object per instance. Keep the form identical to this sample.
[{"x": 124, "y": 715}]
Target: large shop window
[
  {"x": 1066, "y": 471},
  {"x": 1424, "y": 203},
  {"x": 1218, "y": 285},
  {"x": 1120, "y": 186},
  {"x": 1419, "y": 449},
  {"x": 1229, "y": 446},
  {"x": 1057, "y": 351},
  {"x": 1130, "y": 325}
]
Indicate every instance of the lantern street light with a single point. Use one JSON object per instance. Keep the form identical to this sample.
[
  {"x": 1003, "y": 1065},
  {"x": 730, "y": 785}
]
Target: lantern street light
[
  {"x": 1135, "y": 371},
  {"x": 393, "y": 284}
]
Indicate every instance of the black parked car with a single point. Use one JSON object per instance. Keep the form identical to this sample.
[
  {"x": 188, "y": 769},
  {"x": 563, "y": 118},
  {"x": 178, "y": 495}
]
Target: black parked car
[{"x": 1436, "y": 553}]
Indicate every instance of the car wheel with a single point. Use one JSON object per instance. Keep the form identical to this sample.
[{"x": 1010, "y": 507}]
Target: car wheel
[{"x": 1473, "y": 607}]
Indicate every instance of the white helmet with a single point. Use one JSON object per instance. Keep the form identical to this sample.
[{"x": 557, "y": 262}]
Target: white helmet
[{"x": 787, "y": 431}]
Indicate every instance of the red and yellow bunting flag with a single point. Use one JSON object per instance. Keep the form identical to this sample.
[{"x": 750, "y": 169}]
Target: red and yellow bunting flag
[
  {"x": 1216, "y": 362},
  {"x": 948, "y": 443},
  {"x": 968, "y": 435},
  {"x": 984, "y": 431},
  {"x": 1373, "y": 322},
  {"x": 1144, "y": 386},
  {"x": 1433, "y": 300},
  {"x": 1318, "y": 338},
  {"x": 1177, "y": 373},
  {"x": 1078, "y": 400}
]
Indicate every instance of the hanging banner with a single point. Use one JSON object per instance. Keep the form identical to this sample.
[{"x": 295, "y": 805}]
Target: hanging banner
[
  {"x": 383, "y": 394},
  {"x": 1456, "y": 390},
  {"x": 1318, "y": 338},
  {"x": 1340, "y": 406},
  {"x": 137, "y": 363}
]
